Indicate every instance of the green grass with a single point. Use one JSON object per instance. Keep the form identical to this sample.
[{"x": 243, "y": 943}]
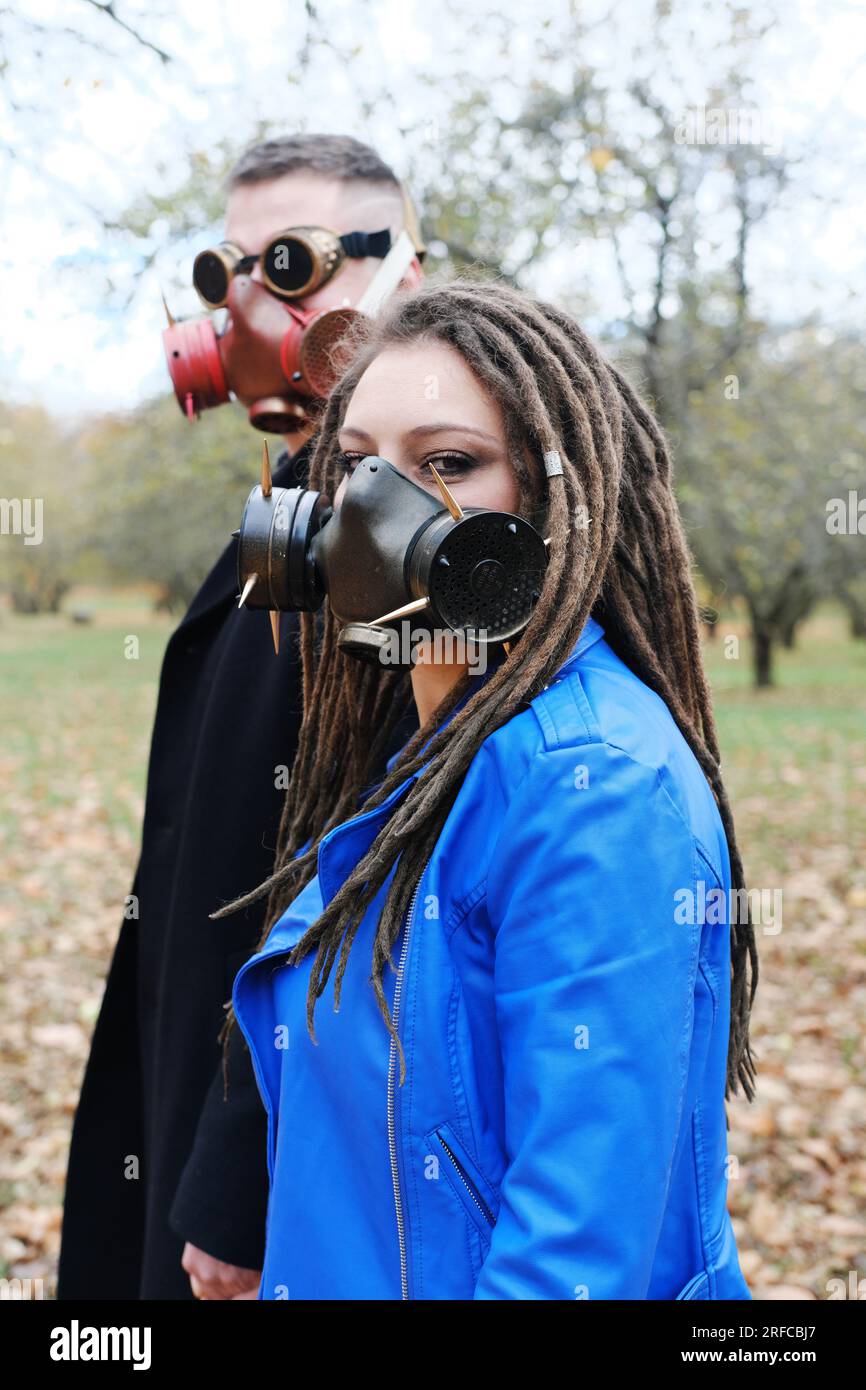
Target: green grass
[
  {"x": 793, "y": 755},
  {"x": 80, "y": 709}
]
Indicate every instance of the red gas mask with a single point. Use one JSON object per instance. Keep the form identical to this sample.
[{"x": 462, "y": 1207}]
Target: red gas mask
[{"x": 273, "y": 353}]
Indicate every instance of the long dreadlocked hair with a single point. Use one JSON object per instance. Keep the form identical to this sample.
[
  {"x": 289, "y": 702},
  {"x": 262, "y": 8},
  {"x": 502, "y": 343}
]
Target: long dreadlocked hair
[{"x": 630, "y": 567}]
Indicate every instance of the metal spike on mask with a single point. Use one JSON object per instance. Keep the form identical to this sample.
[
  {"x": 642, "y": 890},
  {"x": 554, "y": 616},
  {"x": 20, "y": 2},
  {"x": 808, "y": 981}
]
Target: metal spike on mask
[
  {"x": 267, "y": 481},
  {"x": 414, "y": 607},
  {"x": 447, "y": 495},
  {"x": 249, "y": 585},
  {"x": 168, "y": 314},
  {"x": 275, "y": 629}
]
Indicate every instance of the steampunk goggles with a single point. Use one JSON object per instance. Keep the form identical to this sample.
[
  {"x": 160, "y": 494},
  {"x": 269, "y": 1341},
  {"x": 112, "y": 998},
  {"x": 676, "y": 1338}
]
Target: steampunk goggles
[{"x": 294, "y": 263}]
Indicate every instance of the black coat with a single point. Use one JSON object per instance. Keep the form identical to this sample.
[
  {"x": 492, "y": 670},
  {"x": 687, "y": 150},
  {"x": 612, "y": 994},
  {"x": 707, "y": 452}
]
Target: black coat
[{"x": 158, "y": 1156}]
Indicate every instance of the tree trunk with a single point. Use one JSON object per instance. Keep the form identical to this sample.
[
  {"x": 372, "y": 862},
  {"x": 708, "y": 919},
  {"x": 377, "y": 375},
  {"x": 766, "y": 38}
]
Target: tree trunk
[
  {"x": 789, "y": 634},
  {"x": 856, "y": 615},
  {"x": 763, "y": 657}
]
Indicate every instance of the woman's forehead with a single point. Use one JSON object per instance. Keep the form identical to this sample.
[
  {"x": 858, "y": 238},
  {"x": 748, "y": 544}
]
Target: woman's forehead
[{"x": 408, "y": 385}]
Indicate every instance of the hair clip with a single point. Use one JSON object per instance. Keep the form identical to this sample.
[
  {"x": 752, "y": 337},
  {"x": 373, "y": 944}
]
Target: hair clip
[{"x": 552, "y": 463}]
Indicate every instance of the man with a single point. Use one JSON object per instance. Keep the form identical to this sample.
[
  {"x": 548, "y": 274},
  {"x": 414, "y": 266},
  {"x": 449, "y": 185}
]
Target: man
[{"x": 167, "y": 1184}]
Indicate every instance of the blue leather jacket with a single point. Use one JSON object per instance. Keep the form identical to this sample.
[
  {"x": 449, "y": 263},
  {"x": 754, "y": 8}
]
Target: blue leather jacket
[{"x": 562, "y": 998}]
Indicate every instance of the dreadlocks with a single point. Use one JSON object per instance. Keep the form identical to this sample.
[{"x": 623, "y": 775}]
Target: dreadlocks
[{"x": 617, "y": 550}]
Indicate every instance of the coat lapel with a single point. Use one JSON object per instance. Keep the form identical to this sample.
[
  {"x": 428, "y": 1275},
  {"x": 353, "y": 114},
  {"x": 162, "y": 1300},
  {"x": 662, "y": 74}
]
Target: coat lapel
[{"x": 342, "y": 848}]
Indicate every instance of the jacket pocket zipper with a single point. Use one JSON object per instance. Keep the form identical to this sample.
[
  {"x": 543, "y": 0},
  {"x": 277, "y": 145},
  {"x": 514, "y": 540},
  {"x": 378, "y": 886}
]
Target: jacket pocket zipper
[
  {"x": 392, "y": 1076},
  {"x": 696, "y": 1288},
  {"x": 467, "y": 1182}
]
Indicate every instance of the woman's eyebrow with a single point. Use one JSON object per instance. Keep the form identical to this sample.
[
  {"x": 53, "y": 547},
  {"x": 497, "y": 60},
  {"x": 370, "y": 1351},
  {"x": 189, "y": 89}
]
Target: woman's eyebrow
[
  {"x": 421, "y": 430},
  {"x": 441, "y": 425}
]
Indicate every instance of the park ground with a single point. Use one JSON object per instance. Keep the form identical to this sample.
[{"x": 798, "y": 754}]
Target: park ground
[{"x": 77, "y": 715}]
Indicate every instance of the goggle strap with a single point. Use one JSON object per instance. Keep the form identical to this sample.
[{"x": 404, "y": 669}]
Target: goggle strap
[{"x": 360, "y": 244}]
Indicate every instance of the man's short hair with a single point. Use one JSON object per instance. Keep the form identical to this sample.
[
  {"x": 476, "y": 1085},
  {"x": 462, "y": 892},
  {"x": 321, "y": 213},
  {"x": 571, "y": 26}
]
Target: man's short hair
[{"x": 333, "y": 156}]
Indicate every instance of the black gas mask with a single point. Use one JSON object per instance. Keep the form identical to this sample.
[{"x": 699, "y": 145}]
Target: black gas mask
[{"x": 392, "y": 554}]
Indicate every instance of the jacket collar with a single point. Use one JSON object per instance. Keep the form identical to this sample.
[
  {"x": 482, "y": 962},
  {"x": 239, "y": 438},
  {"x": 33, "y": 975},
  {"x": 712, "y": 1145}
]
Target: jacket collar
[
  {"x": 590, "y": 633},
  {"x": 342, "y": 847}
]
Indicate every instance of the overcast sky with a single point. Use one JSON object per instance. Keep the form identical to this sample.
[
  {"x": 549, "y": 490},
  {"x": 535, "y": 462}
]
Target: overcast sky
[{"x": 105, "y": 121}]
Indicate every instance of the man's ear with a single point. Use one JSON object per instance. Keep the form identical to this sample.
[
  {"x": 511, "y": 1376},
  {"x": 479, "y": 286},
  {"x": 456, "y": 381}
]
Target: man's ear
[{"x": 413, "y": 275}]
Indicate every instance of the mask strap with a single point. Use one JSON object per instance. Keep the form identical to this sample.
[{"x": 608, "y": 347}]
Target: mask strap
[{"x": 388, "y": 276}]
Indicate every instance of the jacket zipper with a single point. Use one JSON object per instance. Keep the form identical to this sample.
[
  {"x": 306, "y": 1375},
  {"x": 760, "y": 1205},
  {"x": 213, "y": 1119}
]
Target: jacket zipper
[
  {"x": 392, "y": 1074},
  {"x": 485, "y": 1211}
]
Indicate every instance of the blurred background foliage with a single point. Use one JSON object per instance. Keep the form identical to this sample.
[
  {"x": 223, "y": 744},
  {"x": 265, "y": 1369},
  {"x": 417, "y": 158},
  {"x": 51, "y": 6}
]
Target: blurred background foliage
[{"x": 567, "y": 144}]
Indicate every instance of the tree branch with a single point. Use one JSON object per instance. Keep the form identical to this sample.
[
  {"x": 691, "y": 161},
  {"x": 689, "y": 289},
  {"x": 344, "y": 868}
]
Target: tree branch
[{"x": 108, "y": 9}]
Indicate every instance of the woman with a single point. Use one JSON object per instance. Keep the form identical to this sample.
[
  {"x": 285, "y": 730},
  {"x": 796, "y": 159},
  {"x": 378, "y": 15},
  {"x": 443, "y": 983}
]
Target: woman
[{"x": 528, "y": 1103}]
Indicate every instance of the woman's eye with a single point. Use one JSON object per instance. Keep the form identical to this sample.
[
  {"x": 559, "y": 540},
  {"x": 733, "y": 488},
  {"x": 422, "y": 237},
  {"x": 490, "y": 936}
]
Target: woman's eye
[
  {"x": 451, "y": 465},
  {"x": 448, "y": 465}
]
